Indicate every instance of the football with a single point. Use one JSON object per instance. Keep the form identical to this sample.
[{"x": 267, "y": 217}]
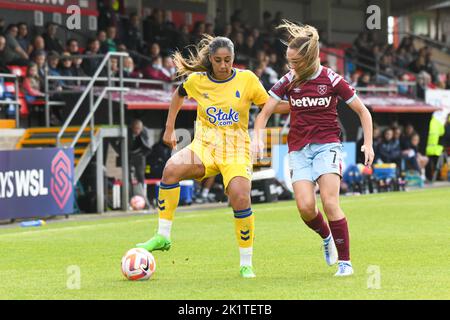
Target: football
[
  {"x": 137, "y": 202},
  {"x": 138, "y": 264}
]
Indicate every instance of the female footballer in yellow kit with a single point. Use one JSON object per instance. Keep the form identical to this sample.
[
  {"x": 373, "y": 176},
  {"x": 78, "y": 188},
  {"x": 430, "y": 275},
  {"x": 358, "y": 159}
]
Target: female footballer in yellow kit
[{"x": 221, "y": 143}]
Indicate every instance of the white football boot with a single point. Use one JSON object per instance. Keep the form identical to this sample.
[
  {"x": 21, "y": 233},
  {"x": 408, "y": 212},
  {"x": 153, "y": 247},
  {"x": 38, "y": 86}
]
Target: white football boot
[
  {"x": 329, "y": 250},
  {"x": 344, "y": 269}
]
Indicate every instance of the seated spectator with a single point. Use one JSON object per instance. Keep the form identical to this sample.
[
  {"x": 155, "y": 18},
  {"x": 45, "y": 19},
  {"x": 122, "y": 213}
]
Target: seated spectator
[
  {"x": 364, "y": 80},
  {"x": 6, "y": 55},
  {"x": 77, "y": 68},
  {"x": 90, "y": 65},
  {"x": 183, "y": 38},
  {"x": 40, "y": 57},
  {"x": 156, "y": 71},
  {"x": 31, "y": 83},
  {"x": 52, "y": 43},
  {"x": 132, "y": 36},
  {"x": 169, "y": 67},
  {"x": 414, "y": 160},
  {"x": 73, "y": 47},
  {"x": 66, "y": 69},
  {"x": 405, "y": 139},
  {"x": 17, "y": 55},
  {"x": 37, "y": 45},
  {"x": 53, "y": 63},
  {"x": 101, "y": 37},
  {"x": 129, "y": 70},
  {"x": 389, "y": 150},
  {"x": 23, "y": 36},
  {"x": 111, "y": 42}
]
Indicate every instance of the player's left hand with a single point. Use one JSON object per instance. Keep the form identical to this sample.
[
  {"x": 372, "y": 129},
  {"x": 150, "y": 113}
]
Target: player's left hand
[{"x": 369, "y": 155}]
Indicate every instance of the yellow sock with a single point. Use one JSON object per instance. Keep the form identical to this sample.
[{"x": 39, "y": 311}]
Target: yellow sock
[
  {"x": 168, "y": 198},
  {"x": 244, "y": 222}
]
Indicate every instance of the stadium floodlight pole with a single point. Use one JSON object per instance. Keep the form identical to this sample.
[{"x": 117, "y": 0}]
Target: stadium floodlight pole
[{"x": 124, "y": 144}]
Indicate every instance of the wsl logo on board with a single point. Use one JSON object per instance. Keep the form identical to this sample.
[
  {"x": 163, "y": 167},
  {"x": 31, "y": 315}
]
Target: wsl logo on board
[{"x": 220, "y": 118}]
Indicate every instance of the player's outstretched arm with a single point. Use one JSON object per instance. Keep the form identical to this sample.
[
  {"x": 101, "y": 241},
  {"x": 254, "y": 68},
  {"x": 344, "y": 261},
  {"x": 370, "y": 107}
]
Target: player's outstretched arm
[
  {"x": 169, "y": 137},
  {"x": 282, "y": 107},
  {"x": 261, "y": 122},
  {"x": 366, "y": 123}
]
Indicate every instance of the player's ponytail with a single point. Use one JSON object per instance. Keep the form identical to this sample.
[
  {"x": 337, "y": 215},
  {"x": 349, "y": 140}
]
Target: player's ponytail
[
  {"x": 304, "y": 39},
  {"x": 198, "y": 60}
]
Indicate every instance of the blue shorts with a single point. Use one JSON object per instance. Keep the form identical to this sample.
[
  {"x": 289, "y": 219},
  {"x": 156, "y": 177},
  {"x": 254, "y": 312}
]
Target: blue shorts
[{"x": 315, "y": 160}]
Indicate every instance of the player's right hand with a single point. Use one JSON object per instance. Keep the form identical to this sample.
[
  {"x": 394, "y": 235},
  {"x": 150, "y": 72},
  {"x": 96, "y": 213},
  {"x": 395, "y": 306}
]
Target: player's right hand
[{"x": 170, "y": 139}]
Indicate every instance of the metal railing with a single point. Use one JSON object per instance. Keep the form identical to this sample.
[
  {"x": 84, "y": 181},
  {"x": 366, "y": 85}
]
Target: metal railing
[
  {"x": 89, "y": 91},
  {"x": 16, "y": 94}
]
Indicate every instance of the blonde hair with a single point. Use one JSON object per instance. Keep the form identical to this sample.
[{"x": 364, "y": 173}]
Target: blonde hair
[
  {"x": 304, "y": 39},
  {"x": 198, "y": 60}
]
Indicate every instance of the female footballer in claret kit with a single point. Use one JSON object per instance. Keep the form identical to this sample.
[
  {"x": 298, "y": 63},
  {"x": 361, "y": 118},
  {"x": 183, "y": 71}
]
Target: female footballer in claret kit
[{"x": 315, "y": 151}]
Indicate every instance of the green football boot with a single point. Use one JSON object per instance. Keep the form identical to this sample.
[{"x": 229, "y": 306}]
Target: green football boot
[
  {"x": 247, "y": 272},
  {"x": 158, "y": 242}
]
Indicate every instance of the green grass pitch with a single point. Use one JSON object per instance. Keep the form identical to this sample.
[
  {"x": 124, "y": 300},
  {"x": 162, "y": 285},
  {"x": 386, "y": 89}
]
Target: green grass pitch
[{"x": 405, "y": 236}]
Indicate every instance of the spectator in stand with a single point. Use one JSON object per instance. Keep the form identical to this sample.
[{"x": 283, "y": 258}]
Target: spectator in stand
[
  {"x": 183, "y": 39},
  {"x": 3, "y": 64},
  {"x": 37, "y": 45},
  {"x": 405, "y": 139},
  {"x": 155, "y": 70},
  {"x": 31, "y": 83},
  {"x": 209, "y": 29},
  {"x": 386, "y": 68},
  {"x": 249, "y": 49},
  {"x": 40, "y": 57},
  {"x": 423, "y": 82},
  {"x": 155, "y": 51},
  {"x": 132, "y": 35},
  {"x": 90, "y": 65},
  {"x": 52, "y": 43},
  {"x": 169, "y": 67},
  {"x": 197, "y": 33},
  {"x": 354, "y": 78},
  {"x": 19, "y": 56},
  {"x": 111, "y": 42},
  {"x": 364, "y": 80},
  {"x": 6, "y": 55},
  {"x": 403, "y": 59},
  {"x": 23, "y": 36},
  {"x": 77, "y": 68},
  {"x": 227, "y": 31},
  {"x": 73, "y": 47},
  {"x": 414, "y": 160},
  {"x": 397, "y": 130},
  {"x": 53, "y": 70},
  {"x": 2, "y": 26},
  {"x": 389, "y": 151},
  {"x": 66, "y": 68},
  {"x": 114, "y": 67},
  {"x": 154, "y": 27},
  {"x": 129, "y": 70},
  {"x": 101, "y": 37}
]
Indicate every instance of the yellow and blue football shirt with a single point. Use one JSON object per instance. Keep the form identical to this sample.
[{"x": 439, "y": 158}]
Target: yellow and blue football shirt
[{"x": 221, "y": 129}]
